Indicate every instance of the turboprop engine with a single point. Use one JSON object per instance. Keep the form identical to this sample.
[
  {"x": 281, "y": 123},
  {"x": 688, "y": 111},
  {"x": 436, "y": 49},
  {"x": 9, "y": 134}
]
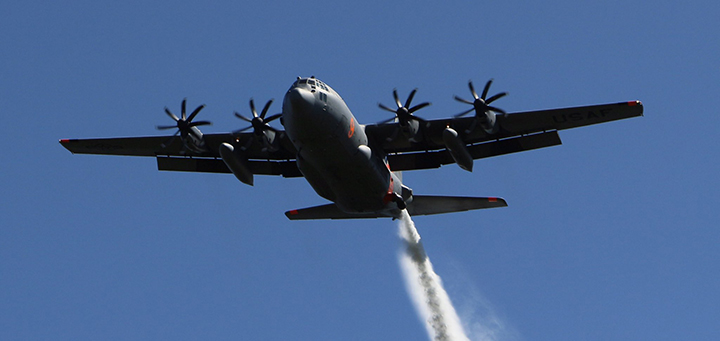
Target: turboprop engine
[
  {"x": 408, "y": 123},
  {"x": 190, "y": 135},
  {"x": 484, "y": 113}
]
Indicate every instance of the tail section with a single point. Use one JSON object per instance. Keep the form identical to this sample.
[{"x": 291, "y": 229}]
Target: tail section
[{"x": 419, "y": 205}]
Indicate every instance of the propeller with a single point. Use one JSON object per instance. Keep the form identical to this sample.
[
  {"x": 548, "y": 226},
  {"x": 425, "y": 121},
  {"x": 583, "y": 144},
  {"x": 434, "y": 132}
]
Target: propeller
[
  {"x": 183, "y": 124},
  {"x": 481, "y": 104},
  {"x": 404, "y": 115},
  {"x": 259, "y": 123}
]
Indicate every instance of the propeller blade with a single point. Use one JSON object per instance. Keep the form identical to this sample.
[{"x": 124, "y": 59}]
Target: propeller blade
[
  {"x": 265, "y": 109},
  {"x": 419, "y": 119},
  {"x": 496, "y": 97},
  {"x": 382, "y": 106},
  {"x": 241, "y": 130},
  {"x": 410, "y": 98},
  {"x": 418, "y": 107},
  {"x": 175, "y": 118},
  {"x": 397, "y": 100},
  {"x": 487, "y": 88},
  {"x": 170, "y": 140},
  {"x": 464, "y": 113},
  {"x": 387, "y": 121},
  {"x": 463, "y": 100},
  {"x": 472, "y": 90},
  {"x": 165, "y": 127},
  {"x": 184, "y": 102},
  {"x": 195, "y": 112},
  {"x": 200, "y": 123},
  {"x": 243, "y": 118},
  {"x": 252, "y": 108},
  {"x": 273, "y": 118},
  {"x": 497, "y": 110}
]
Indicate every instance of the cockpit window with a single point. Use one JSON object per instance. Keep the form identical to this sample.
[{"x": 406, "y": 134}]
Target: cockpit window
[{"x": 312, "y": 82}]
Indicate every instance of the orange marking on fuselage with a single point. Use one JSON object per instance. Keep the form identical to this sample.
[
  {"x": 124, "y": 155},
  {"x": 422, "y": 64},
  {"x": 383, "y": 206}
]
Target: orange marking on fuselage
[{"x": 351, "y": 132}]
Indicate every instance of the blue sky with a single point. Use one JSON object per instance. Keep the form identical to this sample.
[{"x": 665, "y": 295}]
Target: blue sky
[{"x": 612, "y": 235}]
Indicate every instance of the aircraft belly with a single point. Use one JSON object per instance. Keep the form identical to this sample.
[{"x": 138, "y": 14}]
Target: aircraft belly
[{"x": 352, "y": 181}]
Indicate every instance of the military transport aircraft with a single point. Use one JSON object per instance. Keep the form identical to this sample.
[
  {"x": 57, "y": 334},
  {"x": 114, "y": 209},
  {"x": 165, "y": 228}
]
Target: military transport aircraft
[{"x": 357, "y": 167}]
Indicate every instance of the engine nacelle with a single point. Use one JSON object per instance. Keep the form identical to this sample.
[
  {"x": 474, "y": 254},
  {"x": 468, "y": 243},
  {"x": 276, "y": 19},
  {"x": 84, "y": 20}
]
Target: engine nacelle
[
  {"x": 411, "y": 130},
  {"x": 238, "y": 165},
  {"x": 457, "y": 149},
  {"x": 488, "y": 122}
]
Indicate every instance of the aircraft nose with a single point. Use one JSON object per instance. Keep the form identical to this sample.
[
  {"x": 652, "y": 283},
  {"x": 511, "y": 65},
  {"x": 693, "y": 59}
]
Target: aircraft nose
[{"x": 301, "y": 100}]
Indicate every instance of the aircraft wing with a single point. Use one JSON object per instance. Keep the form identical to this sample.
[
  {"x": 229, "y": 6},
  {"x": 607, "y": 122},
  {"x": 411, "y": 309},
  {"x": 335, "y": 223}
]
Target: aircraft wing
[
  {"x": 174, "y": 156},
  {"x": 518, "y": 132}
]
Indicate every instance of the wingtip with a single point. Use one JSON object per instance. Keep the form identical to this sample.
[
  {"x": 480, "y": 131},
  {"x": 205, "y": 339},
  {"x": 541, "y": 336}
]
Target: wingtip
[
  {"x": 500, "y": 201},
  {"x": 291, "y": 214},
  {"x": 638, "y": 104},
  {"x": 65, "y": 143}
]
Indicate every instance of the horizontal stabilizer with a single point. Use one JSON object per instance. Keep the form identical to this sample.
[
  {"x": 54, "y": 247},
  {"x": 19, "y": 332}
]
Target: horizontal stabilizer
[
  {"x": 429, "y": 204},
  {"x": 420, "y": 205},
  {"x": 329, "y": 211}
]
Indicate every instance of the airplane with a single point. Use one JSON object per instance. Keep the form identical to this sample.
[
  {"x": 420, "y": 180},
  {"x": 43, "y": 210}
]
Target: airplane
[{"x": 357, "y": 167}]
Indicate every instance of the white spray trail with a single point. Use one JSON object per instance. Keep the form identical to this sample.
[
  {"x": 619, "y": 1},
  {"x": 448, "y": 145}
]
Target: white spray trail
[{"x": 425, "y": 287}]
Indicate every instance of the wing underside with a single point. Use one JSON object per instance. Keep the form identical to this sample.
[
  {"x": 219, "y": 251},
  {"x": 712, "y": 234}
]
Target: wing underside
[
  {"x": 175, "y": 157},
  {"x": 437, "y": 158},
  {"x": 517, "y": 132},
  {"x": 287, "y": 169}
]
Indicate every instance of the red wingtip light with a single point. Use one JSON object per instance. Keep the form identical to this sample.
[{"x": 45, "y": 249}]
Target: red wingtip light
[
  {"x": 293, "y": 212},
  {"x": 634, "y": 103},
  {"x": 64, "y": 140},
  {"x": 492, "y": 199}
]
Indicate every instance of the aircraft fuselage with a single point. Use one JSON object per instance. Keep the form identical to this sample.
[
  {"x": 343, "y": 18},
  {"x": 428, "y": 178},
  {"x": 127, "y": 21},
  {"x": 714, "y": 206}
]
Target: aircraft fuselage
[{"x": 333, "y": 151}]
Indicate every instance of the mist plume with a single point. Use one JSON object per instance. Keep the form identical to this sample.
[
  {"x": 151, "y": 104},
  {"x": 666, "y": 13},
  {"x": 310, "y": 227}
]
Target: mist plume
[{"x": 425, "y": 287}]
